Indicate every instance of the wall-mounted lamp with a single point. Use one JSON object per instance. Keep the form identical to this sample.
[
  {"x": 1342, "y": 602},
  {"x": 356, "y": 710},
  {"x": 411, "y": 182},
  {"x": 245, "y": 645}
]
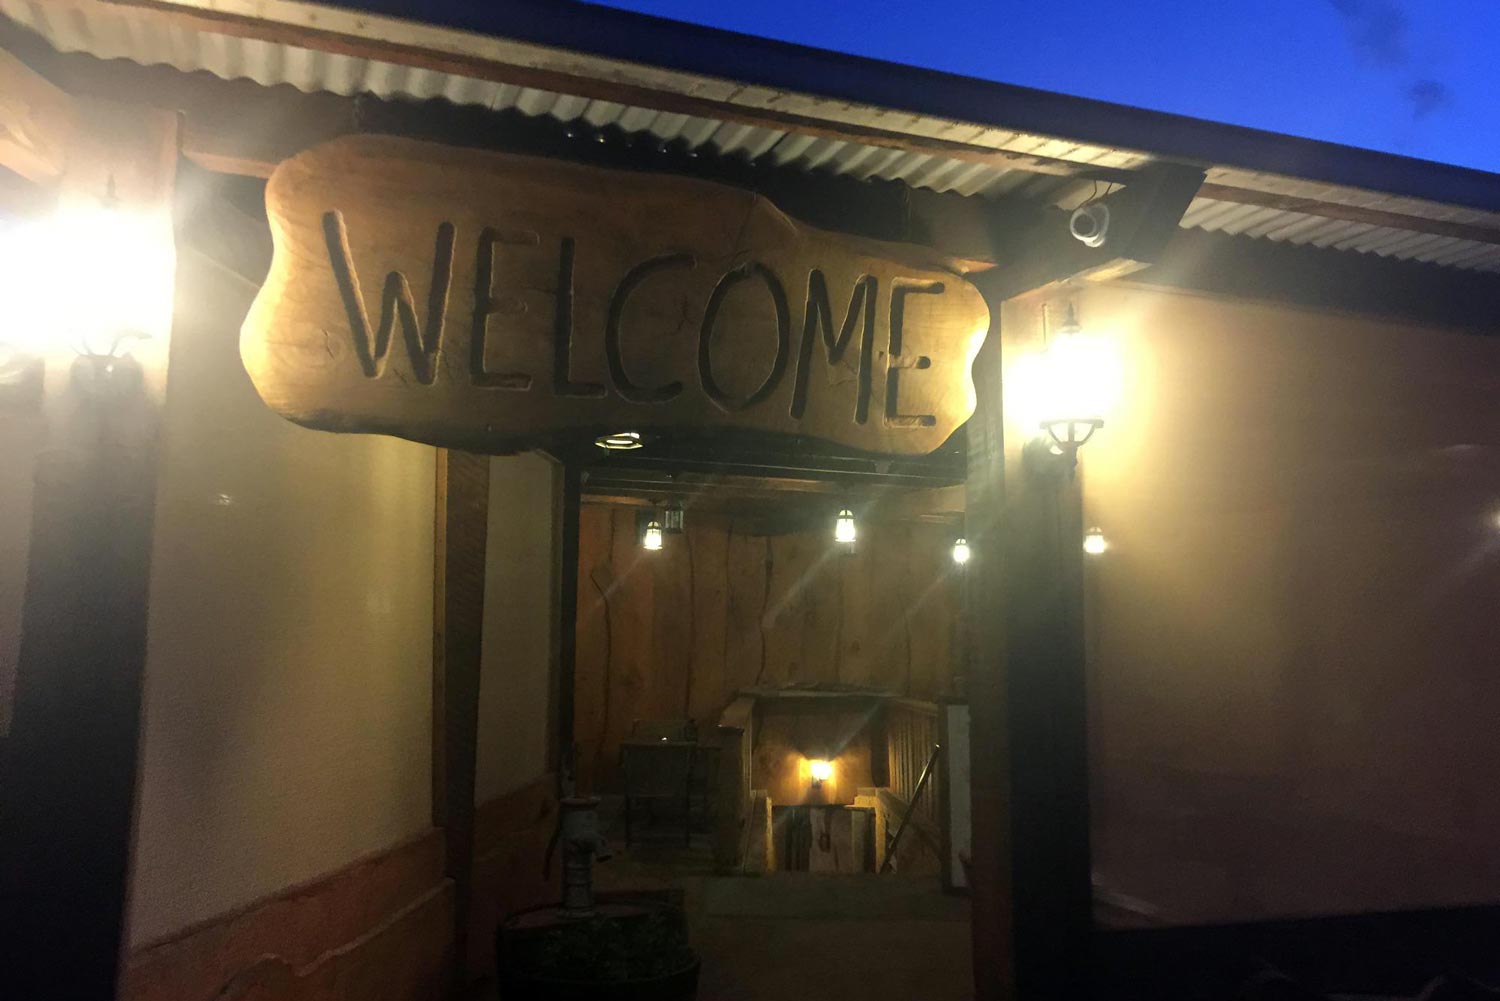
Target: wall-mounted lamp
[
  {"x": 49, "y": 318},
  {"x": 651, "y": 536},
  {"x": 820, "y": 771},
  {"x": 1072, "y": 416},
  {"x": 961, "y": 552},
  {"x": 1094, "y": 542},
  {"x": 845, "y": 532},
  {"x": 672, "y": 518}
]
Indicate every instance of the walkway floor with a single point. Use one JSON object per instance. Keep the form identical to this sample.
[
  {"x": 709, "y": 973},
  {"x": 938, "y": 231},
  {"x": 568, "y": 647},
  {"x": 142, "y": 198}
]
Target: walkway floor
[
  {"x": 774, "y": 937},
  {"x": 791, "y": 935},
  {"x": 856, "y": 937}
]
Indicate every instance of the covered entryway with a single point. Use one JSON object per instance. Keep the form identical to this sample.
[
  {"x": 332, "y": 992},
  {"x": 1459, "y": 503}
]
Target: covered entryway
[
  {"x": 763, "y": 699},
  {"x": 293, "y": 714}
]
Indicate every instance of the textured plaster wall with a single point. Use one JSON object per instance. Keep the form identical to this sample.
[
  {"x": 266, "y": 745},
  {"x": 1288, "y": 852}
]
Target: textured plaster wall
[
  {"x": 1292, "y": 638},
  {"x": 520, "y": 590},
  {"x": 288, "y": 699}
]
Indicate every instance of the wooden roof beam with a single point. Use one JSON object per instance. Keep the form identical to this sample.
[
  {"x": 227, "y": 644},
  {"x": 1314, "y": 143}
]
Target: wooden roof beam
[
  {"x": 1034, "y": 247},
  {"x": 36, "y": 122}
]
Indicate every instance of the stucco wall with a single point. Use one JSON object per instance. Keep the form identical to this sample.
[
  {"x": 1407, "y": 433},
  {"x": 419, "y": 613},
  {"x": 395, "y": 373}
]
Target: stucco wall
[
  {"x": 288, "y": 704},
  {"x": 1293, "y": 636},
  {"x": 520, "y": 589}
]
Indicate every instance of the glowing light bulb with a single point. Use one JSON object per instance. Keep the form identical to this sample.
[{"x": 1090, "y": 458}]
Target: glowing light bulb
[
  {"x": 961, "y": 551},
  {"x": 844, "y": 530},
  {"x": 1068, "y": 389},
  {"x": 1094, "y": 542},
  {"x": 651, "y": 537},
  {"x": 126, "y": 256},
  {"x": 820, "y": 770}
]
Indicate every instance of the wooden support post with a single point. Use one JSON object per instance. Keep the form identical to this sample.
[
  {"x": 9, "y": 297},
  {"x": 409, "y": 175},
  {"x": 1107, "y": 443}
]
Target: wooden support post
[
  {"x": 990, "y": 738},
  {"x": 1047, "y": 715},
  {"x": 462, "y": 529},
  {"x": 37, "y": 122},
  {"x": 1040, "y": 250},
  {"x": 68, "y": 765},
  {"x": 567, "y": 626},
  {"x": 70, "y": 775},
  {"x": 1030, "y": 864}
]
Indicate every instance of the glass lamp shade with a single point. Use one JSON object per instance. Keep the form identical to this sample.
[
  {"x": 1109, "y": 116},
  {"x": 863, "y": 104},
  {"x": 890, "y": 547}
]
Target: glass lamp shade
[{"x": 1094, "y": 542}]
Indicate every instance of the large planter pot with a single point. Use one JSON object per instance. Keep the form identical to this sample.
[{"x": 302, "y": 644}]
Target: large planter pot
[{"x": 625, "y": 951}]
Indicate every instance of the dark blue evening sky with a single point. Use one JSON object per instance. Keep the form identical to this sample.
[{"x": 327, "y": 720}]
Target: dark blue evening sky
[{"x": 1419, "y": 78}]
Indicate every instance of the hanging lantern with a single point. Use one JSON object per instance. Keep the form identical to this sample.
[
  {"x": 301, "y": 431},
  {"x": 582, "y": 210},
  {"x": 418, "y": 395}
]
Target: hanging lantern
[
  {"x": 1073, "y": 395},
  {"x": 651, "y": 537},
  {"x": 1094, "y": 542},
  {"x": 844, "y": 530},
  {"x": 961, "y": 552},
  {"x": 672, "y": 518}
]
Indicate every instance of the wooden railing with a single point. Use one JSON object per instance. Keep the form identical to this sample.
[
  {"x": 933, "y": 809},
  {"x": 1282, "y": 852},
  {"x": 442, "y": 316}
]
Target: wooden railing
[{"x": 911, "y": 728}]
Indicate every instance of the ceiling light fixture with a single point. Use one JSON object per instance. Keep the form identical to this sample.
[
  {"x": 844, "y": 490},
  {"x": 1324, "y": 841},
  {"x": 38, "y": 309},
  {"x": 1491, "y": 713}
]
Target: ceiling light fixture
[
  {"x": 620, "y": 441},
  {"x": 672, "y": 518}
]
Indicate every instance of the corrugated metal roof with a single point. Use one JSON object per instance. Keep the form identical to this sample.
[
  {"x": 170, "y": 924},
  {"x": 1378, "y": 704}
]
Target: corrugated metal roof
[
  {"x": 123, "y": 33},
  {"x": 1282, "y": 226}
]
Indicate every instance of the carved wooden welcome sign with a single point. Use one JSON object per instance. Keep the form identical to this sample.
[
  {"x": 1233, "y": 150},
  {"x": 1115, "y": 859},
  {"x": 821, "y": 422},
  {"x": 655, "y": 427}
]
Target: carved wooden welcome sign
[{"x": 491, "y": 301}]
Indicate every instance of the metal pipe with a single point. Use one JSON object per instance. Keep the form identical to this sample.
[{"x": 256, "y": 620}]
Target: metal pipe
[{"x": 911, "y": 808}]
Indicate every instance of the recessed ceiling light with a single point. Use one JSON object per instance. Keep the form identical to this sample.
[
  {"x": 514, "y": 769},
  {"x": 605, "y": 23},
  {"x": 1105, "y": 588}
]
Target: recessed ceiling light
[{"x": 620, "y": 441}]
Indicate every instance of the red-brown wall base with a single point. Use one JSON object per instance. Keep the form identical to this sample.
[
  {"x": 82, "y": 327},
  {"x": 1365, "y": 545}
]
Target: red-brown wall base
[
  {"x": 380, "y": 929},
  {"x": 510, "y": 844},
  {"x": 377, "y": 930}
]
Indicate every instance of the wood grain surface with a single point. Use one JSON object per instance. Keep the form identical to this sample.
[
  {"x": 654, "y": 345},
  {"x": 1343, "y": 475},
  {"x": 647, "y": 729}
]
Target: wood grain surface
[
  {"x": 492, "y": 301},
  {"x": 677, "y": 633}
]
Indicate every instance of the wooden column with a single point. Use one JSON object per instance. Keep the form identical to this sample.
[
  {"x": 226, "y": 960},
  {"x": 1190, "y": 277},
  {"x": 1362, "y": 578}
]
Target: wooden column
[
  {"x": 989, "y": 744},
  {"x": 462, "y": 530},
  {"x": 564, "y": 744},
  {"x": 68, "y": 765},
  {"x": 1045, "y": 672},
  {"x": 1030, "y": 875},
  {"x": 1033, "y": 898}
]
